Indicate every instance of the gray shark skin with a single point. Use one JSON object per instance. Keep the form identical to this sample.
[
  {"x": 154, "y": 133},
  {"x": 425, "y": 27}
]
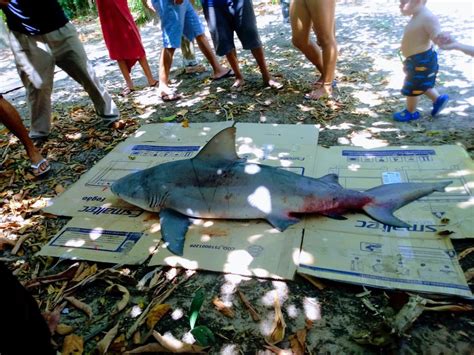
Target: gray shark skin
[{"x": 217, "y": 184}]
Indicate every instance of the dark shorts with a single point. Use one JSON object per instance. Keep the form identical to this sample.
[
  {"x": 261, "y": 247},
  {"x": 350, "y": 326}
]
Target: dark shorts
[
  {"x": 224, "y": 17},
  {"x": 420, "y": 73}
]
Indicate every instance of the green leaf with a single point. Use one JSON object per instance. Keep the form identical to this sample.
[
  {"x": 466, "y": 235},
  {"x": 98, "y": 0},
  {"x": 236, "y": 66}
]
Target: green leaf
[
  {"x": 168, "y": 118},
  {"x": 203, "y": 335},
  {"x": 195, "y": 307}
]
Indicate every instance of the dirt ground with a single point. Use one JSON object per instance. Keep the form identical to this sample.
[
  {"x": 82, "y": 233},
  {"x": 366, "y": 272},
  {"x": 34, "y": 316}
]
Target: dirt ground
[{"x": 369, "y": 74}]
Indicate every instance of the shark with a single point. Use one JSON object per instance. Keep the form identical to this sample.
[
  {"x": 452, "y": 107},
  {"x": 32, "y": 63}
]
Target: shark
[{"x": 218, "y": 184}]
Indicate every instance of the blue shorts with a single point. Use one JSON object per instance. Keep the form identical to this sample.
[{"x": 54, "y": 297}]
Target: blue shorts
[
  {"x": 176, "y": 21},
  {"x": 420, "y": 70},
  {"x": 224, "y": 17}
]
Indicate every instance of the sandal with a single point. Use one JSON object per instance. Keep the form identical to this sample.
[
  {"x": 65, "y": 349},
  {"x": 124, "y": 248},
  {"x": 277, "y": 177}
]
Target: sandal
[
  {"x": 171, "y": 97},
  {"x": 127, "y": 91},
  {"x": 41, "y": 168}
]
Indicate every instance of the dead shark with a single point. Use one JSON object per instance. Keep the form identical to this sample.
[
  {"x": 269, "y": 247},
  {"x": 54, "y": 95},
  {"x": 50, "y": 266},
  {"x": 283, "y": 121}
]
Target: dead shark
[{"x": 217, "y": 184}]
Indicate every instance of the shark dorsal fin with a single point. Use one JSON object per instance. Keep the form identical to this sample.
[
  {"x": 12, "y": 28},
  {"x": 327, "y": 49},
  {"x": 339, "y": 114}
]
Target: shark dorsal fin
[
  {"x": 220, "y": 147},
  {"x": 330, "y": 179}
]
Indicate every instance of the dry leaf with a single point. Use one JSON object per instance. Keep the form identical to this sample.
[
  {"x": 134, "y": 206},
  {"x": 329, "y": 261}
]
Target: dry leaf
[
  {"x": 221, "y": 307},
  {"x": 451, "y": 308},
  {"x": 59, "y": 189},
  {"x": 156, "y": 313},
  {"x": 276, "y": 350},
  {"x": 185, "y": 123},
  {"x": 298, "y": 342},
  {"x": 65, "y": 275},
  {"x": 315, "y": 282},
  {"x": 80, "y": 305},
  {"x": 148, "y": 348},
  {"x": 278, "y": 327},
  {"x": 73, "y": 345},
  {"x": 81, "y": 274},
  {"x": 64, "y": 329},
  {"x": 409, "y": 313},
  {"x": 125, "y": 298},
  {"x": 469, "y": 274},
  {"x": 465, "y": 253},
  {"x": 176, "y": 346},
  {"x": 252, "y": 311},
  {"x": 104, "y": 344}
]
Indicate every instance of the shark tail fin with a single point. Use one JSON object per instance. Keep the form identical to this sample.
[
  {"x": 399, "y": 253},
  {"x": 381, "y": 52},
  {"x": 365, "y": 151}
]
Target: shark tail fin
[{"x": 386, "y": 199}]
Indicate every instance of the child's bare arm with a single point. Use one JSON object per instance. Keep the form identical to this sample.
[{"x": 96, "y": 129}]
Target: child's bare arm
[
  {"x": 433, "y": 28},
  {"x": 466, "y": 49}
]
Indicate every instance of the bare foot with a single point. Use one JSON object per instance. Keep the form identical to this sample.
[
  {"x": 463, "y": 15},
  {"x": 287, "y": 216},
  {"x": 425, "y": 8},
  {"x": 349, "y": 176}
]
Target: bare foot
[
  {"x": 274, "y": 84},
  {"x": 322, "y": 91},
  {"x": 238, "y": 85}
]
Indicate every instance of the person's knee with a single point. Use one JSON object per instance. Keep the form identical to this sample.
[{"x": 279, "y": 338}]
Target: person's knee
[
  {"x": 326, "y": 40},
  {"x": 300, "y": 42}
]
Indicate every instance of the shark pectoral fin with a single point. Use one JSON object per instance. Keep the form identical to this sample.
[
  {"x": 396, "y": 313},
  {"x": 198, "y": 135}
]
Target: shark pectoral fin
[
  {"x": 281, "y": 222},
  {"x": 334, "y": 216},
  {"x": 384, "y": 215},
  {"x": 174, "y": 226}
]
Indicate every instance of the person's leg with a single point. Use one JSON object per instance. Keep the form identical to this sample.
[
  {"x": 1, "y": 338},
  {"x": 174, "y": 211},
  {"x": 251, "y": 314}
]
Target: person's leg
[
  {"x": 412, "y": 103},
  {"x": 10, "y": 117},
  {"x": 205, "y": 47},
  {"x": 193, "y": 29},
  {"x": 187, "y": 49},
  {"x": 147, "y": 71},
  {"x": 126, "y": 75},
  {"x": 36, "y": 68},
  {"x": 259, "y": 56},
  {"x": 166, "y": 60},
  {"x": 432, "y": 94},
  {"x": 301, "y": 26},
  {"x": 322, "y": 14},
  {"x": 234, "y": 64},
  {"x": 72, "y": 58}
]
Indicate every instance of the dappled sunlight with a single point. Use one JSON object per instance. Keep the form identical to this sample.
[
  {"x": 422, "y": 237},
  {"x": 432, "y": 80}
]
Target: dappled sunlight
[
  {"x": 96, "y": 233},
  {"x": 238, "y": 261},
  {"x": 312, "y": 308},
  {"x": 304, "y": 257},
  {"x": 76, "y": 243},
  {"x": 177, "y": 314},
  {"x": 261, "y": 199},
  {"x": 175, "y": 260},
  {"x": 466, "y": 204}
]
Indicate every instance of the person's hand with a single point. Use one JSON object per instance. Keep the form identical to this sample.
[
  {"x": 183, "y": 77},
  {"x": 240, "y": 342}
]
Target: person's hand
[
  {"x": 450, "y": 45},
  {"x": 444, "y": 38},
  {"x": 4, "y": 3}
]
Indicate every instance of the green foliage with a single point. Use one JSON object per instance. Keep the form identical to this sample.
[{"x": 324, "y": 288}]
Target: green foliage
[
  {"x": 196, "y": 307},
  {"x": 141, "y": 14},
  {"x": 203, "y": 335},
  {"x": 78, "y": 8}
]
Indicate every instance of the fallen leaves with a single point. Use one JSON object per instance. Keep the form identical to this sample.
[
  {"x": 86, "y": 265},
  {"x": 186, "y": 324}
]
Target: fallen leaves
[
  {"x": 80, "y": 305},
  {"x": 277, "y": 332},
  {"x": 253, "y": 313},
  {"x": 222, "y": 308},
  {"x": 156, "y": 313},
  {"x": 73, "y": 345},
  {"x": 105, "y": 342},
  {"x": 170, "y": 343}
]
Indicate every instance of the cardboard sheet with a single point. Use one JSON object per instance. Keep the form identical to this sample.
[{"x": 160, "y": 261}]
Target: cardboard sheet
[
  {"x": 247, "y": 249},
  {"x": 361, "y": 250}
]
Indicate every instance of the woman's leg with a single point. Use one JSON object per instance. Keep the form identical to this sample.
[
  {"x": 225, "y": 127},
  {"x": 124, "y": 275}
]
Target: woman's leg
[
  {"x": 322, "y": 14},
  {"x": 301, "y": 24},
  {"x": 126, "y": 74},
  {"x": 146, "y": 69}
]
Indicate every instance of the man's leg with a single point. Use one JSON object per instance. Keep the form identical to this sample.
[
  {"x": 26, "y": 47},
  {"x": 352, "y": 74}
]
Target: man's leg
[
  {"x": 36, "y": 68},
  {"x": 72, "y": 58},
  {"x": 301, "y": 26},
  {"x": 234, "y": 64},
  {"x": 166, "y": 60},
  {"x": 10, "y": 117},
  {"x": 205, "y": 47},
  {"x": 267, "y": 79}
]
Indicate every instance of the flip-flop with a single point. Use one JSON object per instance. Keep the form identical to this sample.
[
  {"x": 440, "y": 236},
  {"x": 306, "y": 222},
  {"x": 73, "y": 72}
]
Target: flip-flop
[
  {"x": 127, "y": 91},
  {"x": 171, "y": 97},
  {"x": 154, "y": 85},
  {"x": 229, "y": 74},
  {"x": 41, "y": 168}
]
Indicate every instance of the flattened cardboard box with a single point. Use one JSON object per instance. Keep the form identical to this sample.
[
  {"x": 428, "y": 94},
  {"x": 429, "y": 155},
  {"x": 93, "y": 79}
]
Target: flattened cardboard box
[
  {"x": 244, "y": 248},
  {"x": 361, "y": 250}
]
